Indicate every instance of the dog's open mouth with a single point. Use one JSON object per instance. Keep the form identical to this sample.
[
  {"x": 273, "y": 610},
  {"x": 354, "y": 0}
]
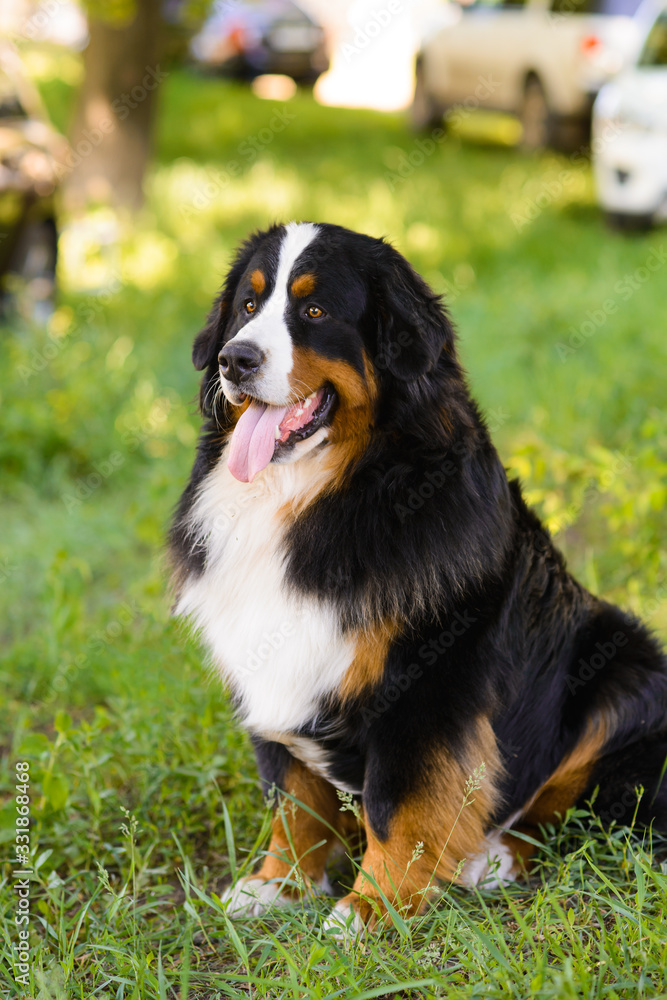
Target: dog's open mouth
[{"x": 263, "y": 431}]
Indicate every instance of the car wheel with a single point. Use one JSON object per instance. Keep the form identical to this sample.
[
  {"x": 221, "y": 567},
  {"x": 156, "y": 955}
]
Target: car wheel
[
  {"x": 307, "y": 80},
  {"x": 425, "y": 112},
  {"x": 30, "y": 281},
  {"x": 630, "y": 222},
  {"x": 535, "y": 116},
  {"x": 572, "y": 135}
]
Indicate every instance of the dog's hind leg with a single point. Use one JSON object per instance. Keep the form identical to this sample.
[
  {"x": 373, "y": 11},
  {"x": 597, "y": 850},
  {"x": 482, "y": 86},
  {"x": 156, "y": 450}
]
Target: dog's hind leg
[
  {"x": 625, "y": 784},
  {"x": 505, "y": 855},
  {"x": 631, "y": 783}
]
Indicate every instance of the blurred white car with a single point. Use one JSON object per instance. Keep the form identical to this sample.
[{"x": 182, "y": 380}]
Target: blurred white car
[
  {"x": 543, "y": 60},
  {"x": 630, "y": 137},
  {"x": 61, "y": 22}
]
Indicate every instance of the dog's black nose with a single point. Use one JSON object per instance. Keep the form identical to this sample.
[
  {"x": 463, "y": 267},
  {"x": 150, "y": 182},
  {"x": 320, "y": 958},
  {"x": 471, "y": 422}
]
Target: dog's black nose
[{"x": 239, "y": 361}]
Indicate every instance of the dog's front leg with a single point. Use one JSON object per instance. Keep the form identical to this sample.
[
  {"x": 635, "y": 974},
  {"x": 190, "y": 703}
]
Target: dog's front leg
[
  {"x": 301, "y": 838},
  {"x": 421, "y": 837}
]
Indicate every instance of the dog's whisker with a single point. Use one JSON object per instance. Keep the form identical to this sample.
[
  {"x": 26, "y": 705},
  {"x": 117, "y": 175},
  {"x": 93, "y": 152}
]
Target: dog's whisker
[
  {"x": 308, "y": 389},
  {"x": 210, "y": 389},
  {"x": 218, "y": 393}
]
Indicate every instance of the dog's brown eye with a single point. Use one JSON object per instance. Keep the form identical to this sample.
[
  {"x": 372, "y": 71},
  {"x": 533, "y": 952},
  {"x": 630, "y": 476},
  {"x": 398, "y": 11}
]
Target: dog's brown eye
[
  {"x": 249, "y": 305},
  {"x": 314, "y": 312}
]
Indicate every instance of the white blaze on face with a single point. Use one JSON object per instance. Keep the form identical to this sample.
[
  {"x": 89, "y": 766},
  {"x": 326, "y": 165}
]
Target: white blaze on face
[{"x": 268, "y": 330}]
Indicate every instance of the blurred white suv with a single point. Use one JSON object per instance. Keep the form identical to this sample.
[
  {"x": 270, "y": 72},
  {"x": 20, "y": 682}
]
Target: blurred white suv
[
  {"x": 630, "y": 137},
  {"x": 543, "y": 60}
]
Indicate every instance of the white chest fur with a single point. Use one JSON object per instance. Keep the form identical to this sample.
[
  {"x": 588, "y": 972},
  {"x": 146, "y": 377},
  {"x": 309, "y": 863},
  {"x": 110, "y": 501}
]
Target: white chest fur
[{"x": 281, "y": 653}]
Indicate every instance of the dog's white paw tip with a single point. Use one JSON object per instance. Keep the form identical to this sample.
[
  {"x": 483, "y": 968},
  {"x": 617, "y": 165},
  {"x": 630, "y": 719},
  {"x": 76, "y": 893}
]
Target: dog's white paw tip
[
  {"x": 492, "y": 867},
  {"x": 344, "y": 923},
  {"x": 251, "y": 897}
]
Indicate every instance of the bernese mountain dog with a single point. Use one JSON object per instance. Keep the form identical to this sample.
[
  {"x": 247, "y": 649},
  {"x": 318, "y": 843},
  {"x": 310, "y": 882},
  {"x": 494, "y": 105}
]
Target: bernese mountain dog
[{"x": 394, "y": 624}]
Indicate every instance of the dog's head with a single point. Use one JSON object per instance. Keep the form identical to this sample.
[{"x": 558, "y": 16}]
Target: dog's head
[{"x": 314, "y": 325}]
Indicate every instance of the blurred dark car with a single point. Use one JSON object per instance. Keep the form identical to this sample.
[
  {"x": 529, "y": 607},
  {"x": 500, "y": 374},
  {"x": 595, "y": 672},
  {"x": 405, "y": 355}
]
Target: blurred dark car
[
  {"x": 251, "y": 37},
  {"x": 30, "y": 149}
]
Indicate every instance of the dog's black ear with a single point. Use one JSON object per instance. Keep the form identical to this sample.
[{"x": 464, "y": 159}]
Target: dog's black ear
[
  {"x": 206, "y": 346},
  {"x": 413, "y": 327}
]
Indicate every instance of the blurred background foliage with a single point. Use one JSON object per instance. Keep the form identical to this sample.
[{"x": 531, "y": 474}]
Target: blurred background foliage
[{"x": 102, "y": 692}]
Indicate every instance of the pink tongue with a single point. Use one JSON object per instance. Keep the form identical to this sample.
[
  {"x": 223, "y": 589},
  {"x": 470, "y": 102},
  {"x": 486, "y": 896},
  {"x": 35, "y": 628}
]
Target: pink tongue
[{"x": 254, "y": 440}]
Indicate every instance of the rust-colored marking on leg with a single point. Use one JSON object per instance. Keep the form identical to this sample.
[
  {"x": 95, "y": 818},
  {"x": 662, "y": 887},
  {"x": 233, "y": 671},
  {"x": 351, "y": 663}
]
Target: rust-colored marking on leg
[
  {"x": 435, "y": 817},
  {"x": 562, "y": 789},
  {"x": 304, "y": 829}
]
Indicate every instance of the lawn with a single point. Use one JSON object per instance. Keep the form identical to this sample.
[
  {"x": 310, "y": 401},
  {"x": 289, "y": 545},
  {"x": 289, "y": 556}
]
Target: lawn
[{"x": 144, "y": 795}]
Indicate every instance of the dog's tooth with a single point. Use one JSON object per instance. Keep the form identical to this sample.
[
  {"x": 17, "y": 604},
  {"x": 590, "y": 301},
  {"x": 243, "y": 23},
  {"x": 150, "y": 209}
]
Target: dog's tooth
[
  {"x": 313, "y": 395},
  {"x": 299, "y": 411},
  {"x": 277, "y": 432}
]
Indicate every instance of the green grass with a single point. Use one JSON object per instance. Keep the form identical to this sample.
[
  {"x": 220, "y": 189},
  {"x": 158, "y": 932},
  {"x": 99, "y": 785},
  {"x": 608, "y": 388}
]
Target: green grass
[{"x": 108, "y": 699}]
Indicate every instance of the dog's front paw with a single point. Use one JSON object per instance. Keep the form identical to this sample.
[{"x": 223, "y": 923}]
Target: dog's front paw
[
  {"x": 494, "y": 866},
  {"x": 344, "y": 922},
  {"x": 252, "y": 896}
]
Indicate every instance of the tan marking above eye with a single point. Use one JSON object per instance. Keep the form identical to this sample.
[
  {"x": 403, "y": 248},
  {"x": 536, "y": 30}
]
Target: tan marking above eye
[
  {"x": 303, "y": 285},
  {"x": 314, "y": 312},
  {"x": 258, "y": 281},
  {"x": 249, "y": 305}
]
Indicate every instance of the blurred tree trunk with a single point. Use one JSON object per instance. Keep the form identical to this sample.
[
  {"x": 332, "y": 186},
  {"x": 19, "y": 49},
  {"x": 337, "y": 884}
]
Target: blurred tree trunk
[{"x": 111, "y": 135}]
